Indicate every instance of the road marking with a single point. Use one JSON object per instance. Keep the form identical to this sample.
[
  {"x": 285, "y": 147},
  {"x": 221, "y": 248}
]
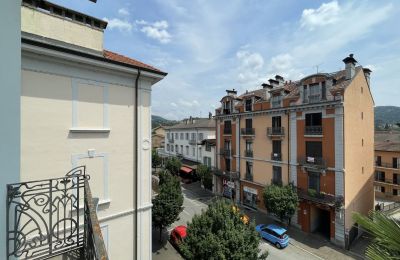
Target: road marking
[{"x": 305, "y": 250}]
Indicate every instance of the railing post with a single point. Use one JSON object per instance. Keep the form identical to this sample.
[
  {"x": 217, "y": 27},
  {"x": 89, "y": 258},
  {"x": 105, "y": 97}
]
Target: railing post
[{"x": 50, "y": 235}]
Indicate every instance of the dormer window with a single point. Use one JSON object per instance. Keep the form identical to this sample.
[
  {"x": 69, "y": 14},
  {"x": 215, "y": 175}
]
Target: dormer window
[
  {"x": 248, "y": 105},
  {"x": 276, "y": 101},
  {"x": 315, "y": 93},
  {"x": 227, "y": 107}
]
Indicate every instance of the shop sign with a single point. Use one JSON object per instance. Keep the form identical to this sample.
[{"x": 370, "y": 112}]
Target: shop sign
[
  {"x": 250, "y": 190},
  {"x": 230, "y": 184}
]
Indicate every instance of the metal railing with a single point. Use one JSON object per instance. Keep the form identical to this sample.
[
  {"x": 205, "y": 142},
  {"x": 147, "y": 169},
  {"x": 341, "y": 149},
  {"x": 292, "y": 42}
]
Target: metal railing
[
  {"x": 247, "y": 131},
  {"x": 225, "y": 152},
  {"x": 387, "y": 165},
  {"x": 314, "y": 98},
  {"x": 43, "y": 219},
  {"x": 276, "y": 182},
  {"x": 312, "y": 161},
  {"x": 192, "y": 141},
  {"x": 171, "y": 140},
  {"x": 276, "y": 156},
  {"x": 227, "y": 131},
  {"x": 248, "y": 108},
  {"x": 248, "y": 176},
  {"x": 389, "y": 181},
  {"x": 315, "y": 196},
  {"x": 275, "y": 104},
  {"x": 226, "y": 111},
  {"x": 231, "y": 175},
  {"x": 248, "y": 153},
  {"x": 313, "y": 130},
  {"x": 389, "y": 206},
  {"x": 275, "y": 131}
]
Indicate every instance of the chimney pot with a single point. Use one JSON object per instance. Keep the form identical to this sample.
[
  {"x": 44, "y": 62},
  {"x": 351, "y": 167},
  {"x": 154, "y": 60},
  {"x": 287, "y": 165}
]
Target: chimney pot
[{"x": 350, "y": 67}]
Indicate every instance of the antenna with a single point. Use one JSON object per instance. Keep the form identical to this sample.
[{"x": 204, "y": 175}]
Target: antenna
[{"x": 317, "y": 67}]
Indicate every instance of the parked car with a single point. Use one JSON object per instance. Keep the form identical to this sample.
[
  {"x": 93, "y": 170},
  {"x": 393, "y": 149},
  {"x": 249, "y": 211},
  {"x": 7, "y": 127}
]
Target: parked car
[
  {"x": 245, "y": 219},
  {"x": 274, "y": 234},
  {"x": 177, "y": 236}
]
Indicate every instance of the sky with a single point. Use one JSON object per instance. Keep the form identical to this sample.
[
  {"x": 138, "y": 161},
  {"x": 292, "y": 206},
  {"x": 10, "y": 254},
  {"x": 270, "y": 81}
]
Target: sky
[{"x": 210, "y": 46}]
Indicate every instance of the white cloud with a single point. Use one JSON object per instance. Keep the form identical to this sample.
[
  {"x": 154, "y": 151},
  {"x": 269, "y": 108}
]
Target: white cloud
[
  {"x": 116, "y": 23},
  {"x": 156, "y": 30},
  {"x": 123, "y": 12},
  {"x": 173, "y": 104},
  {"x": 250, "y": 67},
  {"x": 185, "y": 103},
  {"x": 326, "y": 14}
]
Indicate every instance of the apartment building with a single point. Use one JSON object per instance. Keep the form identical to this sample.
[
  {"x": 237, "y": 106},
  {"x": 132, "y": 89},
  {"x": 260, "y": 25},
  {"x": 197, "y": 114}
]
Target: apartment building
[
  {"x": 158, "y": 137},
  {"x": 387, "y": 166},
  {"x": 81, "y": 105},
  {"x": 316, "y": 133},
  {"x": 193, "y": 140}
]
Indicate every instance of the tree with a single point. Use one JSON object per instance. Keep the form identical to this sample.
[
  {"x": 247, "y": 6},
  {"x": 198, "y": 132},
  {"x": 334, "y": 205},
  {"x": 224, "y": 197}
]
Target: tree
[
  {"x": 386, "y": 232},
  {"x": 206, "y": 176},
  {"x": 155, "y": 159},
  {"x": 219, "y": 232},
  {"x": 173, "y": 165},
  {"x": 168, "y": 203},
  {"x": 282, "y": 201}
]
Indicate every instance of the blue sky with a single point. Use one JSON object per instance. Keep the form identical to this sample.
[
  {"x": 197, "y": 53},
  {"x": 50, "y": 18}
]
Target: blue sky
[{"x": 209, "y": 46}]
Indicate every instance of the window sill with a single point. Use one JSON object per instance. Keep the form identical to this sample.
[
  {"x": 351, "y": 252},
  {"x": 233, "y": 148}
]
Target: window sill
[
  {"x": 314, "y": 136},
  {"x": 89, "y": 130}
]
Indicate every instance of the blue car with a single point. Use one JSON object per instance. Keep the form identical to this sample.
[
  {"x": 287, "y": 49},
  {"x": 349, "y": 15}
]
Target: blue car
[{"x": 274, "y": 234}]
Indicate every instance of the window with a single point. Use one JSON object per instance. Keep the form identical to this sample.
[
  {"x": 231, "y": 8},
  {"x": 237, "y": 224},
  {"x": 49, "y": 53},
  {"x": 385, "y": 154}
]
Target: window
[
  {"x": 276, "y": 146},
  {"x": 227, "y": 127},
  {"x": 187, "y": 150},
  {"x": 193, "y": 151},
  {"x": 181, "y": 149},
  {"x": 176, "y": 148},
  {"x": 201, "y": 135},
  {"x": 248, "y": 106},
  {"x": 176, "y": 136},
  {"x": 249, "y": 123},
  {"x": 378, "y": 160},
  {"x": 167, "y": 135},
  {"x": 208, "y": 147},
  {"x": 315, "y": 94},
  {"x": 276, "y": 121},
  {"x": 314, "y": 119},
  {"x": 227, "y": 107},
  {"x": 207, "y": 161},
  {"x": 187, "y": 136},
  {"x": 277, "y": 175},
  {"x": 379, "y": 176},
  {"x": 249, "y": 145},
  {"x": 395, "y": 162},
  {"x": 396, "y": 178},
  {"x": 227, "y": 164},
  {"x": 227, "y": 145},
  {"x": 305, "y": 96},
  {"x": 377, "y": 188},
  {"x": 323, "y": 90},
  {"x": 276, "y": 101},
  {"x": 314, "y": 149},
  {"x": 181, "y": 136},
  {"x": 200, "y": 153},
  {"x": 193, "y": 136},
  {"x": 172, "y": 148},
  {"x": 168, "y": 147},
  {"x": 395, "y": 192},
  {"x": 249, "y": 171},
  {"x": 313, "y": 181}
]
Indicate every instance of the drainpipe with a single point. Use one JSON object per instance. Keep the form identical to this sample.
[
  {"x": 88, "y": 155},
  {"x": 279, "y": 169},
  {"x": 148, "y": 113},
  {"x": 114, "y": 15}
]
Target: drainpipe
[
  {"x": 136, "y": 161},
  {"x": 288, "y": 133}
]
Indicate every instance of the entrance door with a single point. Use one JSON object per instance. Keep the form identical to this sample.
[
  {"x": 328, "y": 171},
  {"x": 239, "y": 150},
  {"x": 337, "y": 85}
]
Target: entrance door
[{"x": 320, "y": 221}]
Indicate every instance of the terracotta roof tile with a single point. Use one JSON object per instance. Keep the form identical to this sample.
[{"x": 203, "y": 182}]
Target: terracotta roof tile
[{"x": 123, "y": 59}]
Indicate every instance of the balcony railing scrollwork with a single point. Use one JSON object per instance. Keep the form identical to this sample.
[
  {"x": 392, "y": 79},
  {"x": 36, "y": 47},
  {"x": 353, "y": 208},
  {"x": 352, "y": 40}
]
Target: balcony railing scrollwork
[
  {"x": 247, "y": 131},
  {"x": 318, "y": 197},
  {"x": 225, "y": 152},
  {"x": 230, "y": 175},
  {"x": 313, "y": 162},
  {"x": 387, "y": 165},
  {"x": 227, "y": 131},
  {"x": 276, "y": 156},
  {"x": 275, "y": 131},
  {"x": 248, "y": 153},
  {"x": 192, "y": 142},
  {"x": 313, "y": 130},
  {"x": 44, "y": 220}
]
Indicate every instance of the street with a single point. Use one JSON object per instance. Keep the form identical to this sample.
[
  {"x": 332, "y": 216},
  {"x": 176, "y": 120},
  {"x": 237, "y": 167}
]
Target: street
[{"x": 301, "y": 246}]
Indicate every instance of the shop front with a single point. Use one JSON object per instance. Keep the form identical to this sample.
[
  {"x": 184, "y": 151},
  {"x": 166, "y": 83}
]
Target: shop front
[
  {"x": 250, "y": 197},
  {"x": 228, "y": 189}
]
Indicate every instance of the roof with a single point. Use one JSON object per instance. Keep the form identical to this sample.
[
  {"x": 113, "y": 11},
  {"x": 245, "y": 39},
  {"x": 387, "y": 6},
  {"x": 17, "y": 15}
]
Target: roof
[
  {"x": 279, "y": 230},
  {"x": 195, "y": 123},
  {"x": 210, "y": 141},
  {"x": 388, "y": 146},
  {"x": 123, "y": 59}
]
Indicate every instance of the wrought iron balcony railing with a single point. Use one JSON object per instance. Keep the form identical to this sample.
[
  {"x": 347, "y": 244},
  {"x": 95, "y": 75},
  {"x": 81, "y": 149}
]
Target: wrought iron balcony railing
[
  {"x": 248, "y": 153},
  {"x": 317, "y": 197},
  {"x": 276, "y": 182},
  {"x": 171, "y": 140},
  {"x": 313, "y": 130},
  {"x": 226, "y": 111},
  {"x": 276, "y": 156},
  {"x": 247, "y": 131},
  {"x": 230, "y": 175},
  {"x": 387, "y": 165},
  {"x": 192, "y": 142},
  {"x": 314, "y": 98},
  {"x": 275, "y": 131},
  {"x": 225, "y": 152},
  {"x": 227, "y": 131},
  {"x": 309, "y": 161},
  {"x": 44, "y": 220},
  {"x": 249, "y": 176},
  {"x": 389, "y": 181}
]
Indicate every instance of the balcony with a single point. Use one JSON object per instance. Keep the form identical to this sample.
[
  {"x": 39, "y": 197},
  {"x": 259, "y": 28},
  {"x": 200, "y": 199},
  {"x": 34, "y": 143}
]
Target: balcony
[
  {"x": 227, "y": 131},
  {"x": 387, "y": 165},
  {"x": 313, "y": 162},
  {"x": 313, "y": 130},
  {"x": 171, "y": 140},
  {"x": 231, "y": 175},
  {"x": 314, "y": 98},
  {"x": 226, "y": 111},
  {"x": 248, "y": 176},
  {"x": 44, "y": 220},
  {"x": 275, "y": 131},
  {"x": 248, "y": 108},
  {"x": 192, "y": 141},
  {"x": 387, "y": 181},
  {"x": 276, "y": 156},
  {"x": 225, "y": 152},
  {"x": 318, "y": 197},
  {"x": 248, "y": 131},
  {"x": 248, "y": 153},
  {"x": 276, "y": 103},
  {"x": 276, "y": 182}
]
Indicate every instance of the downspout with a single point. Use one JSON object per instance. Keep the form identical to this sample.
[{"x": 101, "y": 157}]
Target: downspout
[
  {"x": 136, "y": 149},
  {"x": 288, "y": 133}
]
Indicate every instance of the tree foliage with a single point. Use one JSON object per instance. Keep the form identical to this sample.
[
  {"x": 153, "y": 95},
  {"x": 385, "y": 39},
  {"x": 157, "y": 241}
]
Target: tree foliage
[
  {"x": 155, "y": 159},
  {"x": 219, "y": 233},
  {"x": 282, "y": 201},
  {"x": 386, "y": 232},
  {"x": 168, "y": 203},
  {"x": 206, "y": 176},
  {"x": 173, "y": 165}
]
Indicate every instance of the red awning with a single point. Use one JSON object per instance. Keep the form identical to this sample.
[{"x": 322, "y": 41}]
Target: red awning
[{"x": 186, "y": 169}]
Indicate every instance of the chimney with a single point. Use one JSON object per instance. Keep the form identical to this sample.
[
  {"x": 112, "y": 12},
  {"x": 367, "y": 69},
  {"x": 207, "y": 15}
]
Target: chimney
[
  {"x": 231, "y": 92},
  {"x": 190, "y": 119},
  {"x": 280, "y": 79},
  {"x": 274, "y": 83},
  {"x": 350, "y": 66},
  {"x": 367, "y": 74},
  {"x": 266, "y": 85},
  {"x": 209, "y": 115}
]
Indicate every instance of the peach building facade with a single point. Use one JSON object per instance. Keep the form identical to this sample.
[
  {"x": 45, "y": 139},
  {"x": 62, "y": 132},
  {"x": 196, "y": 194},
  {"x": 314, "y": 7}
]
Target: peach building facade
[{"x": 315, "y": 133}]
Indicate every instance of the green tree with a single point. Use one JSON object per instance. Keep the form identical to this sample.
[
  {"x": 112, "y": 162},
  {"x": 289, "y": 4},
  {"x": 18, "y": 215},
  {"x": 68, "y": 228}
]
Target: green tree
[
  {"x": 173, "y": 165},
  {"x": 206, "y": 176},
  {"x": 168, "y": 203},
  {"x": 219, "y": 232},
  {"x": 386, "y": 232},
  {"x": 282, "y": 201},
  {"x": 155, "y": 159}
]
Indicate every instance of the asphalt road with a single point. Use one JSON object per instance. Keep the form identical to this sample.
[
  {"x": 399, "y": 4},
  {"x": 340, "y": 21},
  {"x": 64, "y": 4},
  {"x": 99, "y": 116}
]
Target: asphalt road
[{"x": 197, "y": 199}]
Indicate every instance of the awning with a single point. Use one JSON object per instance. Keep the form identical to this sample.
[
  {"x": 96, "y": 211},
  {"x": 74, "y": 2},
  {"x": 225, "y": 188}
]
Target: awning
[{"x": 186, "y": 169}]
